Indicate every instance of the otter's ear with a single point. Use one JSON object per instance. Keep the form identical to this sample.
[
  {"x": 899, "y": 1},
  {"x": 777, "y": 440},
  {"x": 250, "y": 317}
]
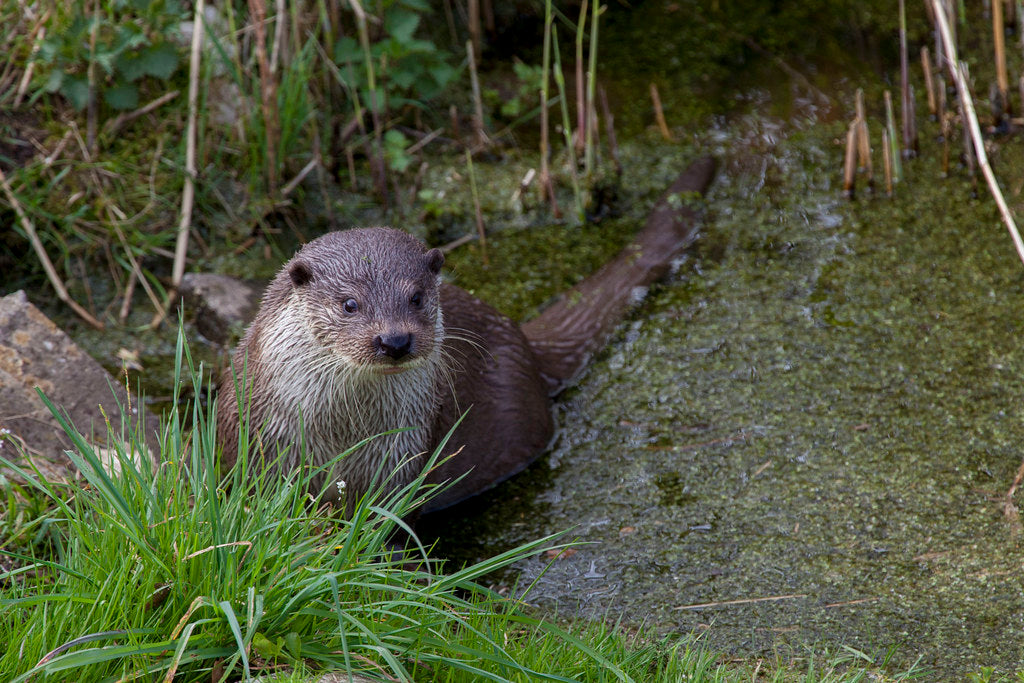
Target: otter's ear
[
  {"x": 300, "y": 273},
  {"x": 435, "y": 259}
]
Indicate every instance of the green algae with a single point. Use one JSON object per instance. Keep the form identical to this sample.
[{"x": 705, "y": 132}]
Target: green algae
[{"x": 804, "y": 438}]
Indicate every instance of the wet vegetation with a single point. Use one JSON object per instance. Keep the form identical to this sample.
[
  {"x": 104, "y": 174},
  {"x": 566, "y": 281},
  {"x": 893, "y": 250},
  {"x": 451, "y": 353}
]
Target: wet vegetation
[{"x": 798, "y": 455}]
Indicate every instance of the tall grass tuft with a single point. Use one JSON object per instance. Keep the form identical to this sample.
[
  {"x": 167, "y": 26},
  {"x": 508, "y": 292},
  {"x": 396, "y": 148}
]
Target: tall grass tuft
[{"x": 173, "y": 570}]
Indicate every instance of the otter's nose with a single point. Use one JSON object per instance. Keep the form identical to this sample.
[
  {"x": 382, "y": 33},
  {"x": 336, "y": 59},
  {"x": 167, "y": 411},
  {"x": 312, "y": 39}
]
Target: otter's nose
[{"x": 394, "y": 346}]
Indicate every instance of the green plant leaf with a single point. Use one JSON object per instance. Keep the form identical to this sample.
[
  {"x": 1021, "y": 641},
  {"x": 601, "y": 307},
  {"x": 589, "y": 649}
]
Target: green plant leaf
[
  {"x": 160, "y": 60},
  {"x": 401, "y": 23},
  {"x": 442, "y": 73},
  {"x": 55, "y": 80},
  {"x": 75, "y": 89},
  {"x": 347, "y": 50},
  {"x": 122, "y": 96},
  {"x": 405, "y": 77}
]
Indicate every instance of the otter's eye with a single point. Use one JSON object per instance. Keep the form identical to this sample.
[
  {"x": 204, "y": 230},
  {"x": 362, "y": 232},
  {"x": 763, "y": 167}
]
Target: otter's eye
[
  {"x": 417, "y": 299},
  {"x": 350, "y": 306}
]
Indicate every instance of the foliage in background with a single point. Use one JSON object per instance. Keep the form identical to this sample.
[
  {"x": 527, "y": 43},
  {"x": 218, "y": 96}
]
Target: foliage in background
[
  {"x": 125, "y": 40},
  {"x": 413, "y": 70}
]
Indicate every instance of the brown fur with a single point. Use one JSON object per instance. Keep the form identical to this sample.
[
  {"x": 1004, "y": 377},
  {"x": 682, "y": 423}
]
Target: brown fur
[{"x": 314, "y": 371}]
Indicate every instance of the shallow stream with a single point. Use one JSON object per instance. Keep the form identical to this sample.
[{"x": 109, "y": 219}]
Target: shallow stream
[{"x": 803, "y": 441}]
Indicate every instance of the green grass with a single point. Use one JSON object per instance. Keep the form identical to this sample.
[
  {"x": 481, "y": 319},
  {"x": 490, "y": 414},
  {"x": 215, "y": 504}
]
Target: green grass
[{"x": 171, "y": 570}]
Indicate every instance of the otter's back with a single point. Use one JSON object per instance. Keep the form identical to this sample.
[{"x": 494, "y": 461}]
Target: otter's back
[{"x": 494, "y": 377}]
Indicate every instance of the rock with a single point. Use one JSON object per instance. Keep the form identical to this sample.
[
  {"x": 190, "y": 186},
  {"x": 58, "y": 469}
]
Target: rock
[
  {"x": 34, "y": 352},
  {"x": 222, "y": 305}
]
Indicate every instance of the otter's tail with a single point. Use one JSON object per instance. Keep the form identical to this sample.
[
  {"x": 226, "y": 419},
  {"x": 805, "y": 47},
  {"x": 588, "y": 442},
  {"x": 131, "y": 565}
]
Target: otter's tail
[{"x": 566, "y": 334}]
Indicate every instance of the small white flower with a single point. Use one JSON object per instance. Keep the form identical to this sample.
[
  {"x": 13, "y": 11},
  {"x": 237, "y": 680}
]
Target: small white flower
[{"x": 341, "y": 487}]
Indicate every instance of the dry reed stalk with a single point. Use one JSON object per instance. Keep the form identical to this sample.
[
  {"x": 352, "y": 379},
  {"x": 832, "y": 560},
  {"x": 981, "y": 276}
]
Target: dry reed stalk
[
  {"x": 37, "y": 35},
  {"x": 975, "y": 131},
  {"x": 115, "y": 125},
  {"x": 351, "y": 160},
  {"x": 280, "y": 20},
  {"x": 929, "y": 80},
  {"x": 90, "y": 107},
  {"x": 590, "y": 146},
  {"x": 545, "y": 185},
  {"x": 944, "y": 124},
  {"x": 864, "y": 141},
  {"x": 449, "y": 16},
  {"x": 189, "y": 190},
  {"x": 906, "y": 94},
  {"x": 659, "y": 115},
  {"x": 126, "y": 301},
  {"x": 478, "y": 103},
  {"x": 476, "y": 209},
  {"x": 474, "y": 27},
  {"x": 609, "y": 126},
  {"x": 488, "y": 12},
  {"x": 887, "y": 162},
  {"x": 453, "y": 120},
  {"x": 581, "y": 105},
  {"x": 136, "y": 268},
  {"x": 300, "y": 176},
  {"x": 890, "y": 124},
  {"x": 44, "y": 259},
  {"x": 1020, "y": 90},
  {"x": 268, "y": 89},
  {"x": 999, "y": 40},
  {"x": 850, "y": 162}
]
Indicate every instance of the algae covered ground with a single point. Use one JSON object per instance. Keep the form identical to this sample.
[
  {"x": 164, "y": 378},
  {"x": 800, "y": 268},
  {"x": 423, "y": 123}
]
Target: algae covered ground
[{"x": 803, "y": 441}]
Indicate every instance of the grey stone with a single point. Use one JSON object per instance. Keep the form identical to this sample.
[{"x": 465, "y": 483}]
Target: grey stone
[
  {"x": 221, "y": 305},
  {"x": 34, "y": 352}
]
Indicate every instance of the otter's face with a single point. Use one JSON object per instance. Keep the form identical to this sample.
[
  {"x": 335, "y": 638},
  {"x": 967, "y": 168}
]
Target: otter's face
[{"x": 371, "y": 297}]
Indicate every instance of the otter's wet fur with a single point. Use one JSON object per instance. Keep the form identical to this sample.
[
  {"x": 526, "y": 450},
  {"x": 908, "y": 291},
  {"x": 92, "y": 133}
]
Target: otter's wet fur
[
  {"x": 347, "y": 344},
  {"x": 357, "y": 336}
]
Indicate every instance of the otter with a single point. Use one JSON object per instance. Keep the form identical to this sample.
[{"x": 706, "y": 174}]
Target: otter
[{"x": 358, "y": 335}]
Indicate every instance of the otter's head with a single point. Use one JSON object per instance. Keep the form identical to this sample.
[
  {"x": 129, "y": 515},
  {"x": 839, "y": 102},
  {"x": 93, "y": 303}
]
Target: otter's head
[{"x": 370, "y": 297}]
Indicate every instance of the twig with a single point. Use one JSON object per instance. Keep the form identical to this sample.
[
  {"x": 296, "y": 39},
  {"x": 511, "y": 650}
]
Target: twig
[
  {"x": 581, "y": 104},
  {"x": 979, "y": 143},
  {"x": 37, "y": 246},
  {"x": 38, "y": 33},
  {"x": 998, "y": 36},
  {"x": 887, "y": 161},
  {"x": 189, "y": 190},
  {"x": 424, "y": 141},
  {"x": 137, "y": 270},
  {"x": 456, "y": 243},
  {"x": 609, "y": 128},
  {"x": 890, "y": 124},
  {"x": 478, "y": 105},
  {"x": 294, "y": 182},
  {"x": 929, "y": 80},
  {"x": 280, "y": 19},
  {"x": 476, "y": 208},
  {"x": 113, "y": 126},
  {"x": 91, "y": 114},
  {"x": 129, "y": 292},
  {"x": 906, "y": 94},
  {"x": 659, "y": 115},
  {"x": 589, "y": 146},
  {"x": 850, "y": 162},
  {"x": 747, "y": 601},
  {"x": 474, "y": 26},
  {"x": 268, "y": 88},
  {"x": 864, "y": 141}
]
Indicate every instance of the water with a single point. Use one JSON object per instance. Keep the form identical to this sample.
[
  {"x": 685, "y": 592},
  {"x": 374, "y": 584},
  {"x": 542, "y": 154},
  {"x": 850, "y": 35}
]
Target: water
[{"x": 805, "y": 438}]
